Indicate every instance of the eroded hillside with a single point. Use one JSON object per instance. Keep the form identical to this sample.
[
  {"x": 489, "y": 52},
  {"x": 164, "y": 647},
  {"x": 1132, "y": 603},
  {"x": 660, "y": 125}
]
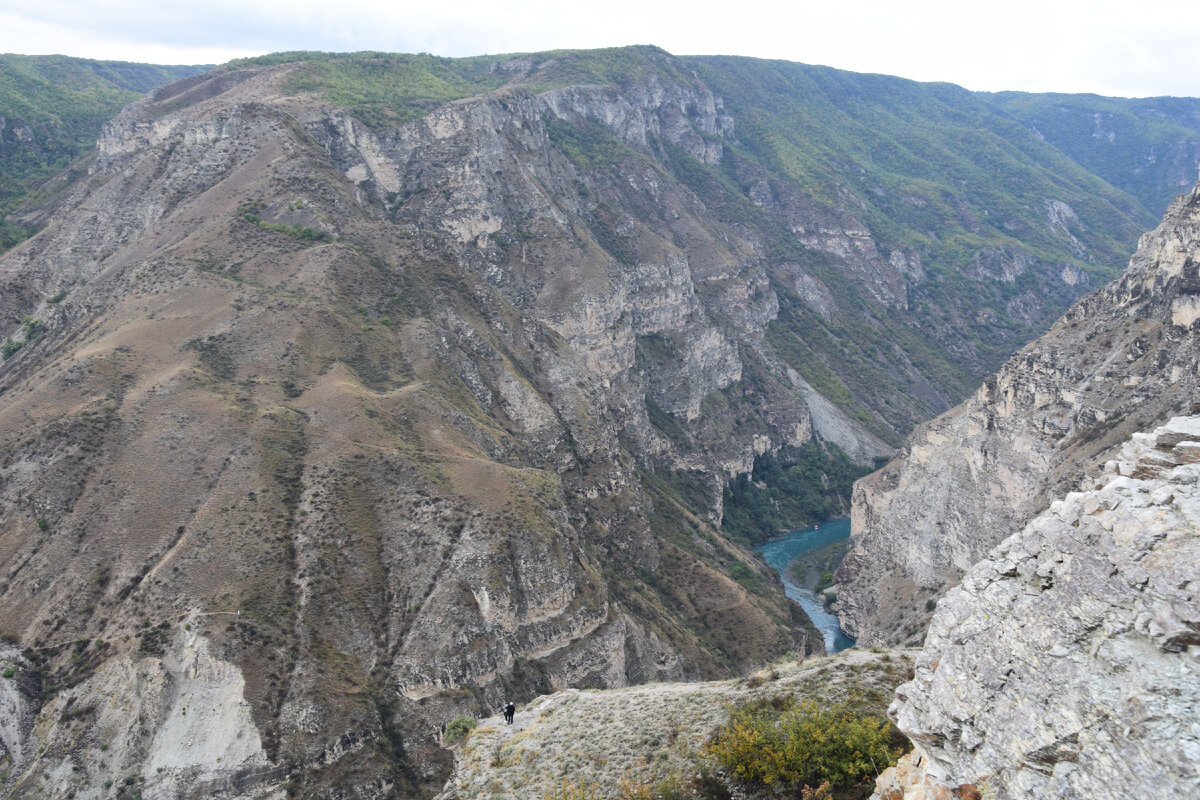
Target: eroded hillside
[
  {"x": 346, "y": 395},
  {"x": 301, "y": 411}
]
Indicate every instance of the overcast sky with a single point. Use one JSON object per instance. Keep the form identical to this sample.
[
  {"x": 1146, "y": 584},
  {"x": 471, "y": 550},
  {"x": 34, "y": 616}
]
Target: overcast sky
[{"x": 1115, "y": 48}]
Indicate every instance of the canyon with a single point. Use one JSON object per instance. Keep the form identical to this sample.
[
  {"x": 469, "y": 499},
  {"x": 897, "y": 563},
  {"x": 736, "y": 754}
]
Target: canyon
[{"x": 346, "y": 395}]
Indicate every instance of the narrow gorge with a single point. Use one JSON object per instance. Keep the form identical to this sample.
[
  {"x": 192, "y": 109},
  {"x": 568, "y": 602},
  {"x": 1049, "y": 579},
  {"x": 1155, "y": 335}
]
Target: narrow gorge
[{"x": 344, "y": 396}]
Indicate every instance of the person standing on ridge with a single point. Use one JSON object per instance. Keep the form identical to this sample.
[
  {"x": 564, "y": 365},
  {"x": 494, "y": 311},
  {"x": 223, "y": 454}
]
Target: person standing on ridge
[{"x": 509, "y": 712}]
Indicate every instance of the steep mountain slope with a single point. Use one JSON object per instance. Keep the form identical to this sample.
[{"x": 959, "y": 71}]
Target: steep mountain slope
[
  {"x": 348, "y": 433},
  {"x": 1064, "y": 665},
  {"x": 971, "y": 233},
  {"x": 1148, "y": 147},
  {"x": 347, "y": 394},
  {"x": 51, "y": 110},
  {"x": 920, "y": 236},
  {"x": 1119, "y": 360}
]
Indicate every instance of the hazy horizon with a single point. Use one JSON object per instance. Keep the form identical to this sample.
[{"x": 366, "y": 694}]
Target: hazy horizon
[{"x": 1106, "y": 48}]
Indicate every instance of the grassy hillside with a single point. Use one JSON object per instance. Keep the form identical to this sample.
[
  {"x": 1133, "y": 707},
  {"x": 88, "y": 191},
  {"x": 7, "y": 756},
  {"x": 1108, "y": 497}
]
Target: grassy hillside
[
  {"x": 389, "y": 88},
  {"x": 930, "y": 171},
  {"x": 1148, "y": 147},
  {"x": 52, "y": 108}
]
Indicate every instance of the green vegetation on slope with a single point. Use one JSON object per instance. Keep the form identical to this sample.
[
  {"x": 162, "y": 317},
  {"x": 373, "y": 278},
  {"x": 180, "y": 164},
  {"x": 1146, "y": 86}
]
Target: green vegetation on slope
[
  {"x": 385, "y": 88},
  {"x": 391, "y": 88},
  {"x": 1148, "y": 147},
  {"x": 804, "y": 745},
  {"x": 941, "y": 180},
  {"x": 587, "y": 143},
  {"x": 778, "y": 496},
  {"x": 52, "y": 109},
  {"x": 663, "y": 740},
  {"x": 788, "y": 747},
  {"x": 929, "y": 165}
]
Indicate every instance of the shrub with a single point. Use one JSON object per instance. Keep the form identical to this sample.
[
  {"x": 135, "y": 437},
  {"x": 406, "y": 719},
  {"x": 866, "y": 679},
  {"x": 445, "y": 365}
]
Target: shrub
[
  {"x": 805, "y": 746},
  {"x": 8, "y": 672},
  {"x": 573, "y": 791},
  {"x": 459, "y": 727},
  {"x": 825, "y": 582},
  {"x": 31, "y": 327},
  {"x": 703, "y": 784}
]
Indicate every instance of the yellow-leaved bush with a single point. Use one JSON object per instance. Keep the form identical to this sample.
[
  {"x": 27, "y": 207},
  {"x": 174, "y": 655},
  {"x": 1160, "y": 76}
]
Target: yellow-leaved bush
[{"x": 804, "y": 745}]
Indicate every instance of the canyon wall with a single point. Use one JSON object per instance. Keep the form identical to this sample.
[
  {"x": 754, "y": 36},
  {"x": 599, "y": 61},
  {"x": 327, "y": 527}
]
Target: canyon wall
[
  {"x": 1065, "y": 663},
  {"x": 1121, "y": 359}
]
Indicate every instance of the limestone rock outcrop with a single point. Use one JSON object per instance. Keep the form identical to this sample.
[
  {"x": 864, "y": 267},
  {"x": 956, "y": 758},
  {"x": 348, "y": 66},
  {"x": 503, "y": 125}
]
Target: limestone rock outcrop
[
  {"x": 1121, "y": 359},
  {"x": 18, "y": 707},
  {"x": 1067, "y": 663}
]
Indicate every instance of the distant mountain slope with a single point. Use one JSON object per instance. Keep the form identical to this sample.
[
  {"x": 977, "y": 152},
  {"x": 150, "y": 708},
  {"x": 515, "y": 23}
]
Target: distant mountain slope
[
  {"x": 1148, "y": 147},
  {"x": 52, "y": 109},
  {"x": 925, "y": 234},
  {"x": 931, "y": 165},
  {"x": 972, "y": 232},
  {"x": 941, "y": 206}
]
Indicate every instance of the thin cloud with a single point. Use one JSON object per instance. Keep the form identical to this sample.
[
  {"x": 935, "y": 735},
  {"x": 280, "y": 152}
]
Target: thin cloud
[{"x": 1033, "y": 45}]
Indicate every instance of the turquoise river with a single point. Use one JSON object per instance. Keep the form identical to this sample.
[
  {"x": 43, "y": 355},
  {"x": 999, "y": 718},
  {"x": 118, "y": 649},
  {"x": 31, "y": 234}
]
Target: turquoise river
[{"x": 780, "y": 552}]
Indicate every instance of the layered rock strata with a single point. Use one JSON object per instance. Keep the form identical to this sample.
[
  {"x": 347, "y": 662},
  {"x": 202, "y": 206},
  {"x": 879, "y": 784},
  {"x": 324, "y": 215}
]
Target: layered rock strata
[
  {"x": 331, "y": 433},
  {"x": 1119, "y": 360},
  {"x": 375, "y": 416},
  {"x": 1067, "y": 662}
]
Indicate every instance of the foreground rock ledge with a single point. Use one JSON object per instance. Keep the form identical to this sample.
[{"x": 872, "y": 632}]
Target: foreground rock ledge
[
  {"x": 646, "y": 733},
  {"x": 1067, "y": 664}
]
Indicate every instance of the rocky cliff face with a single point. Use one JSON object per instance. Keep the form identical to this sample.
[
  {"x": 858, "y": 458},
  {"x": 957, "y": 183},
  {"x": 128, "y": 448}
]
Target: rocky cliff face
[
  {"x": 1119, "y": 360},
  {"x": 336, "y": 419},
  {"x": 1065, "y": 664},
  {"x": 330, "y": 433}
]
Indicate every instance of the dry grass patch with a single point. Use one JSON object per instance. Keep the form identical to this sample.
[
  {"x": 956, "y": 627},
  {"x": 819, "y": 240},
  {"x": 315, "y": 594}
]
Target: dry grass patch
[{"x": 607, "y": 744}]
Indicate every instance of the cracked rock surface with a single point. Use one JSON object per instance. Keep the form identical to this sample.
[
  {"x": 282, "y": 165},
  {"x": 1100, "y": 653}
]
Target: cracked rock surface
[{"x": 1067, "y": 663}]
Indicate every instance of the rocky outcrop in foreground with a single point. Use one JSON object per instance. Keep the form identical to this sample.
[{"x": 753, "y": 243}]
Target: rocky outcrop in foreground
[
  {"x": 1119, "y": 360},
  {"x": 1067, "y": 664},
  {"x": 641, "y": 735}
]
